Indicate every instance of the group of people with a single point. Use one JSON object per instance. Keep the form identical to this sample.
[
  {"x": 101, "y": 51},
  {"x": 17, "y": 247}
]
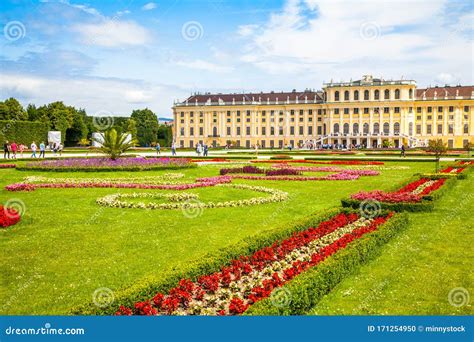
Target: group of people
[
  {"x": 10, "y": 150},
  {"x": 13, "y": 148},
  {"x": 202, "y": 148}
]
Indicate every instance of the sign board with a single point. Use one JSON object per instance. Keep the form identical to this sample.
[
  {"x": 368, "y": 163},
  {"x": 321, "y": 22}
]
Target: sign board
[{"x": 54, "y": 137}]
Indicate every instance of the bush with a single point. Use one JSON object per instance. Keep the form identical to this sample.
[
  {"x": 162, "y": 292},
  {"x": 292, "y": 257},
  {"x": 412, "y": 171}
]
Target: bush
[
  {"x": 309, "y": 287},
  {"x": 24, "y": 132},
  {"x": 281, "y": 156},
  {"x": 147, "y": 287}
]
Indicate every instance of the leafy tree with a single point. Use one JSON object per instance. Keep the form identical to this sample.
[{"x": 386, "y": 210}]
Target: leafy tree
[
  {"x": 439, "y": 148},
  {"x": 78, "y": 129},
  {"x": 165, "y": 134},
  {"x": 147, "y": 126},
  {"x": 115, "y": 143},
  {"x": 469, "y": 146},
  {"x": 132, "y": 128},
  {"x": 32, "y": 112},
  {"x": 12, "y": 110}
]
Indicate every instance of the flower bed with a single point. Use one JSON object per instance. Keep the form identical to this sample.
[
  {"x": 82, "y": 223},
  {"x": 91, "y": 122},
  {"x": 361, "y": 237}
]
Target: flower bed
[
  {"x": 167, "y": 178},
  {"x": 332, "y": 162},
  {"x": 182, "y": 201},
  {"x": 290, "y": 174},
  {"x": 106, "y": 164},
  {"x": 200, "y": 183},
  {"x": 8, "y": 217},
  {"x": 249, "y": 279},
  {"x": 7, "y": 166}
]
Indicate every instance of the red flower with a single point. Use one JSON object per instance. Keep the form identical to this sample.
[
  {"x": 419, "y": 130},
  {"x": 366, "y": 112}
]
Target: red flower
[
  {"x": 123, "y": 311},
  {"x": 8, "y": 217},
  {"x": 237, "y": 306}
]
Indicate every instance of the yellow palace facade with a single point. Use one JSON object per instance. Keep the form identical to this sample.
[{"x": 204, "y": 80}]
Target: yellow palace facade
[{"x": 369, "y": 112}]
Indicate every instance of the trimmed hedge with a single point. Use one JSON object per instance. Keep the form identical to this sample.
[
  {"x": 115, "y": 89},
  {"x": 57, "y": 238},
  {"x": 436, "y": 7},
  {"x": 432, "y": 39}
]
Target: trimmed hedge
[
  {"x": 147, "y": 287},
  {"x": 398, "y": 159},
  {"x": 24, "y": 132},
  {"x": 307, "y": 289},
  {"x": 103, "y": 169}
]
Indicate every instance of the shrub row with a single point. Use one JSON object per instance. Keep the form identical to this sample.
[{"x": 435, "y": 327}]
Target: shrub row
[
  {"x": 307, "y": 289},
  {"x": 398, "y": 159},
  {"x": 105, "y": 169},
  {"x": 23, "y": 132},
  {"x": 147, "y": 287}
]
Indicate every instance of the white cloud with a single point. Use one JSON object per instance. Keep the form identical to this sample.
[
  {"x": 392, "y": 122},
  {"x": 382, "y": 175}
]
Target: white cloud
[
  {"x": 113, "y": 33},
  {"x": 137, "y": 96},
  {"x": 204, "y": 65},
  {"x": 149, "y": 6},
  {"x": 341, "y": 38}
]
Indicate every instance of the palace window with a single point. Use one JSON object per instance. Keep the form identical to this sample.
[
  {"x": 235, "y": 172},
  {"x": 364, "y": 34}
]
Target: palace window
[
  {"x": 346, "y": 95},
  {"x": 440, "y": 129},
  {"x": 310, "y": 112},
  {"x": 451, "y": 109},
  {"x": 428, "y": 129},
  {"x": 429, "y": 117},
  {"x": 356, "y": 95},
  {"x": 336, "y": 96},
  {"x": 248, "y": 120},
  {"x": 396, "y": 128},
  {"x": 396, "y": 109},
  {"x": 346, "y": 110},
  {"x": 397, "y": 94},
  {"x": 451, "y": 117},
  {"x": 355, "y": 128},
  {"x": 418, "y": 129},
  {"x": 238, "y": 113},
  {"x": 191, "y": 131},
  {"x": 386, "y": 110},
  {"x": 386, "y": 94},
  {"x": 366, "y": 128},
  {"x": 292, "y": 130},
  {"x": 377, "y": 95},
  {"x": 356, "y": 110},
  {"x": 301, "y": 119},
  {"x": 410, "y": 93},
  {"x": 292, "y": 112},
  {"x": 310, "y": 119},
  {"x": 366, "y": 110},
  {"x": 264, "y": 131},
  {"x": 181, "y": 131},
  {"x": 272, "y": 130},
  {"x": 319, "y": 111},
  {"x": 466, "y": 109},
  {"x": 182, "y": 114},
  {"x": 264, "y": 113},
  {"x": 301, "y": 130},
  {"x": 386, "y": 128},
  {"x": 201, "y": 114},
  {"x": 182, "y": 121},
  {"x": 440, "y": 117},
  {"x": 450, "y": 129},
  {"x": 228, "y": 113},
  {"x": 280, "y": 130},
  {"x": 440, "y": 109},
  {"x": 247, "y": 130},
  {"x": 191, "y": 114},
  {"x": 264, "y": 120},
  {"x": 366, "y": 95},
  {"x": 345, "y": 128},
  {"x": 310, "y": 130},
  {"x": 320, "y": 130},
  {"x": 228, "y": 130},
  {"x": 336, "y": 110},
  {"x": 418, "y": 117},
  {"x": 238, "y": 119},
  {"x": 430, "y": 109},
  {"x": 301, "y": 112},
  {"x": 248, "y": 113},
  {"x": 336, "y": 128},
  {"x": 228, "y": 120},
  {"x": 418, "y": 109},
  {"x": 466, "y": 128},
  {"x": 201, "y": 130},
  {"x": 376, "y": 128}
]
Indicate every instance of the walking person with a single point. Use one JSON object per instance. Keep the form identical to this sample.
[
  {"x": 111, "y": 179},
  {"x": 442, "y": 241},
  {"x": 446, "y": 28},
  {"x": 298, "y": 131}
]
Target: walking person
[
  {"x": 14, "y": 148},
  {"x": 6, "y": 150},
  {"x": 60, "y": 149},
  {"x": 206, "y": 150},
  {"x": 158, "y": 149},
  {"x": 198, "y": 149},
  {"x": 22, "y": 148},
  {"x": 33, "y": 149},
  {"x": 403, "y": 151},
  {"x": 256, "y": 150},
  {"x": 42, "y": 150},
  {"x": 173, "y": 148}
]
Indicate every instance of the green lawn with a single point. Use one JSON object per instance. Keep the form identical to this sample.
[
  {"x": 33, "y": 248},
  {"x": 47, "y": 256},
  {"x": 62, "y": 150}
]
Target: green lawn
[
  {"x": 418, "y": 268},
  {"x": 66, "y": 246}
]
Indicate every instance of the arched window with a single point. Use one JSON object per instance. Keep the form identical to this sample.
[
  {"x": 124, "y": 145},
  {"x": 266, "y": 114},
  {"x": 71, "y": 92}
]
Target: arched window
[
  {"x": 366, "y": 95},
  {"x": 214, "y": 131},
  {"x": 410, "y": 93},
  {"x": 355, "y": 128},
  {"x": 366, "y": 128},
  {"x": 466, "y": 128},
  {"x": 336, "y": 128},
  {"x": 377, "y": 95},
  {"x": 356, "y": 95},
  {"x": 346, "y": 95},
  {"x": 396, "y": 128},
  {"x": 376, "y": 128},
  {"x": 386, "y": 94},
  {"x": 410, "y": 128},
  {"x": 397, "y": 94},
  {"x": 346, "y": 128},
  {"x": 386, "y": 128},
  {"x": 324, "y": 129},
  {"x": 336, "y": 96}
]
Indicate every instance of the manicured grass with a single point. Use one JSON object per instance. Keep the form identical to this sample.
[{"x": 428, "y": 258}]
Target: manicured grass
[
  {"x": 418, "y": 268},
  {"x": 66, "y": 246}
]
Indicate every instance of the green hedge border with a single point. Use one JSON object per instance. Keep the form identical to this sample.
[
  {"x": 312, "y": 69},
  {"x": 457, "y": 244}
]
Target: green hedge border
[
  {"x": 105, "y": 169},
  {"x": 147, "y": 287},
  {"x": 308, "y": 288}
]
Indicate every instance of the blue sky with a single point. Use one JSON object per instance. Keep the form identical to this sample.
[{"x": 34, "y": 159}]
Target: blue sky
[{"x": 115, "y": 56}]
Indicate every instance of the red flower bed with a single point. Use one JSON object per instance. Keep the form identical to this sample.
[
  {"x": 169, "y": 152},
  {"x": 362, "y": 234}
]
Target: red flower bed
[
  {"x": 212, "y": 160},
  {"x": 8, "y": 217},
  {"x": 7, "y": 166},
  {"x": 245, "y": 169},
  {"x": 451, "y": 169},
  {"x": 249, "y": 279}
]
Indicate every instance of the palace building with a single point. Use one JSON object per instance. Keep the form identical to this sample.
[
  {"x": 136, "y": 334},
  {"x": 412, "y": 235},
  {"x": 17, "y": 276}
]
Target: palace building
[{"x": 370, "y": 112}]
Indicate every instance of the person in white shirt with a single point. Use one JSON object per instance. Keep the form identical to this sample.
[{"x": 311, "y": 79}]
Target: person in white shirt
[{"x": 33, "y": 149}]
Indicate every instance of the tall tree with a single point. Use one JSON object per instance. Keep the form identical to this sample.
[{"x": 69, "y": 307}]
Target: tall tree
[
  {"x": 147, "y": 126},
  {"x": 12, "y": 110},
  {"x": 439, "y": 148}
]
